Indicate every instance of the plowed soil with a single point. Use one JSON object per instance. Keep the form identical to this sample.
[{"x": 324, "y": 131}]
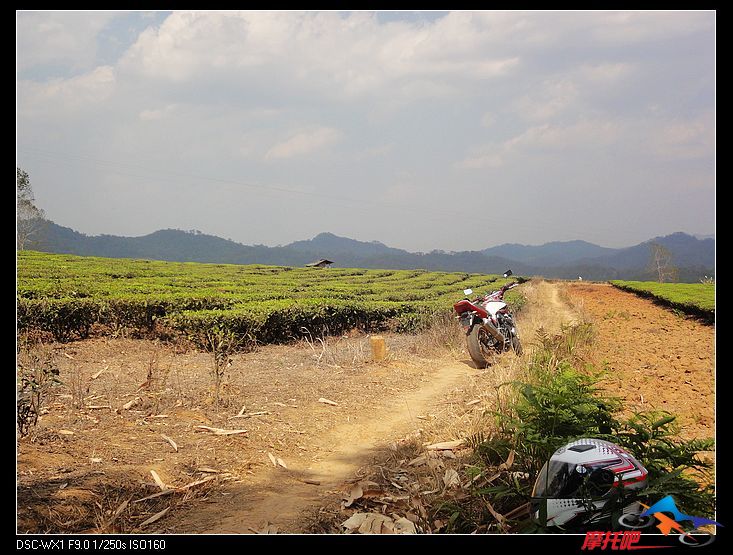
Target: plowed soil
[{"x": 656, "y": 358}]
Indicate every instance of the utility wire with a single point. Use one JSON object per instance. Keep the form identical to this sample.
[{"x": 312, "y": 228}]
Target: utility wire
[{"x": 129, "y": 169}]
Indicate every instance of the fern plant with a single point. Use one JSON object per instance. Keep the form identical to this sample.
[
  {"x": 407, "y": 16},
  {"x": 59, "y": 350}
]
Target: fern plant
[{"x": 558, "y": 403}]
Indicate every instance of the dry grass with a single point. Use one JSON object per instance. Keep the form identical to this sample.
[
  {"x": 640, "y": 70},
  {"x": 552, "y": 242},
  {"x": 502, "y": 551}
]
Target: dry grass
[
  {"x": 97, "y": 502},
  {"x": 411, "y": 490},
  {"x": 338, "y": 352},
  {"x": 466, "y": 413},
  {"x": 443, "y": 338},
  {"x": 171, "y": 392},
  {"x": 174, "y": 393}
]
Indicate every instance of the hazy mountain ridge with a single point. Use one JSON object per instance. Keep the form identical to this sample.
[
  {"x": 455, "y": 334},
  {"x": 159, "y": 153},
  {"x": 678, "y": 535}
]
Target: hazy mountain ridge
[
  {"x": 566, "y": 260},
  {"x": 329, "y": 245},
  {"x": 556, "y": 253},
  {"x": 686, "y": 250}
]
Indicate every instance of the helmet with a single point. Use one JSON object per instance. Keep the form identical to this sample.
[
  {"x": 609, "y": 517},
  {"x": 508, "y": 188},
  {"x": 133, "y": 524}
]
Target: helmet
[{"x": 581, "y": 477}]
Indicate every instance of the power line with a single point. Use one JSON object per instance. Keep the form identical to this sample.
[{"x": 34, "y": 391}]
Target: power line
[{"x": 153, "y": 173}]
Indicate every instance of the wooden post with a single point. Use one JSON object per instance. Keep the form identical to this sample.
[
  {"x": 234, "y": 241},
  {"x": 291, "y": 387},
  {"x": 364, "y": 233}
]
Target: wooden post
[{"x": 379, "y": 348}]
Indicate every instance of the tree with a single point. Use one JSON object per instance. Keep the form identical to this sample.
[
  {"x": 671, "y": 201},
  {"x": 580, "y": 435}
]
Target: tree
[
  {"x": 29, "y": 218},
  {"x": 660, "y": 263}
]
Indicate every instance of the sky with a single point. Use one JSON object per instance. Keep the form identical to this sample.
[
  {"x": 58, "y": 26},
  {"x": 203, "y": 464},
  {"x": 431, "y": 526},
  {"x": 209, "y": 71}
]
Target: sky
[{"x": 422, "y": 130}]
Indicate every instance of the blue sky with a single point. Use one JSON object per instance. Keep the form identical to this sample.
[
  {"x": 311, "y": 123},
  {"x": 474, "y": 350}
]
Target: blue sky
[{"x": 430, "y": 130}]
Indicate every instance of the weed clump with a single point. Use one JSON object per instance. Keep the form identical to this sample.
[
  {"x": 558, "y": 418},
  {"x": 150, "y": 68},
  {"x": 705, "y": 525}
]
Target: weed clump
[{"x": 554, "y": 403}]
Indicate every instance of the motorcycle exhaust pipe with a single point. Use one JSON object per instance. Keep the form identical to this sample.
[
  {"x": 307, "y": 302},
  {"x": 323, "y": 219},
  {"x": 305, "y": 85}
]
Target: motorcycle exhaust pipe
[{"x": 489, "y": 326}]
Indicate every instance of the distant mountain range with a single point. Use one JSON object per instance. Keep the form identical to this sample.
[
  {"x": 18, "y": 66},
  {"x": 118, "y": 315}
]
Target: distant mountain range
[{"x": 567, "y": 260}]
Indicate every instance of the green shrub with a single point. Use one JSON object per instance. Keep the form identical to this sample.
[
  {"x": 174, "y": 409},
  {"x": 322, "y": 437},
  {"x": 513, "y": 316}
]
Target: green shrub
[
  {"x": 696, "y": 299},
  {"x": 555, "y": 404},
  {"x": 64, "y": 318},
  {"x": 66, "y": 294}
]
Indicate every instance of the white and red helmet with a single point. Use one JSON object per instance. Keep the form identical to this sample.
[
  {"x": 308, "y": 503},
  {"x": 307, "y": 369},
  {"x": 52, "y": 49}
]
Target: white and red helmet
[{"x": 579, "y": 478}]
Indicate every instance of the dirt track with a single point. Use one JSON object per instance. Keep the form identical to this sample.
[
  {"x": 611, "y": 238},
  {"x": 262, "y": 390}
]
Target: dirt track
[{"x": 431, "y": 398}]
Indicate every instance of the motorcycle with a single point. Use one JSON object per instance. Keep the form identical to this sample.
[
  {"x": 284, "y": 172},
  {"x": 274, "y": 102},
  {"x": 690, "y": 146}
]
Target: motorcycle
[{"x": 489, "y": 324}]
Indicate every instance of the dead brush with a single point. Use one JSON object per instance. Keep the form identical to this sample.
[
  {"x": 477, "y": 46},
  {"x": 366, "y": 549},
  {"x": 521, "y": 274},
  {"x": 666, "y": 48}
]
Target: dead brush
[
  {"x": 37, "y": 373},
  {"x": 77, "y": 387},
  {"x": 350, "y": 352},
  {"x": 443, "y": 334},
  {"x": 127, "y": 505},
  {"x": 336, "y": 352},
  {"x": 155, "y": 384},
  {"x": 577, "y": 305},
  {"x": 317, "y": 345},
  {"x": 222, "y": 344},
  {"x": 487, "y": 393},
  {"x": 440, "y": 337},
  {"x": 571, "y": 345},
  {"x": 178, "y": 385},
  {"x": 109, "y": 510},
  {"x": 324, "y": 520},
  {"x": 407, "y": 483}
]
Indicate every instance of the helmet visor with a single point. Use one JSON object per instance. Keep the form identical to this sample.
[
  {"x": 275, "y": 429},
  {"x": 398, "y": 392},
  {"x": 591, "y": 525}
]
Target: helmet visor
[{"x": 562, "y": 480}]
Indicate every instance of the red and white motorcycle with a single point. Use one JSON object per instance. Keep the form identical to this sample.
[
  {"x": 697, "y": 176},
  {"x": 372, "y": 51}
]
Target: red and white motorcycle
[{"x": 489, "y": 324}]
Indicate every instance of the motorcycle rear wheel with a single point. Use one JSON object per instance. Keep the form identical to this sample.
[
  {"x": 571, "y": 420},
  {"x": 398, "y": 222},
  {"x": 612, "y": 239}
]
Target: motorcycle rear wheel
[{"x": 480, "y": 352}]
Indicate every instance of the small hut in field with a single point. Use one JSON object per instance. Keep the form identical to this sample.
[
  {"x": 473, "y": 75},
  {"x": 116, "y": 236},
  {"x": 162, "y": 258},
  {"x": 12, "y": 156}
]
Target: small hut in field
[{"x": 322, "y": 263}]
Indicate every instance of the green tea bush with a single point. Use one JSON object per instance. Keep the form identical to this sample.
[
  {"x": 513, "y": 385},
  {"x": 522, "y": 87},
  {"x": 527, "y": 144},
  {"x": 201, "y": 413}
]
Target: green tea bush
[{"x": 65, "y": 295}]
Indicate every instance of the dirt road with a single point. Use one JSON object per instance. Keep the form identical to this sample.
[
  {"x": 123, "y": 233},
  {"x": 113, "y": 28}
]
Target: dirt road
[
  {"x": 425, "y": 391},
  {"x": 278, "y": 496}
]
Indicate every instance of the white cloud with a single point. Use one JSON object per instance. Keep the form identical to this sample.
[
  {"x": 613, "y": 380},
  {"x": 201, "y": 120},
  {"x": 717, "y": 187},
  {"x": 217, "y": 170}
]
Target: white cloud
[
  {"x": 684, "y": 140},
  {"x": 303, "y": 142},
  {"x": 605, "y": 73},
  {"x": 552, "y": 98},
  {"x": 158, "y": 113},
  {"x": 689, "y": 139},
  {"x": 582, "y": 135},
  {"x": 63, "y": 98},
  {"x": 64, "y": 37},
  {"x": 345, "y": 56},
  {"x": 374, "y": 151},
  {"x": 643, "y": 26},
  {"x": 482, "y": 157},
  {"x": 235, "y": 94},
  {"x": 574, "y": 90}
]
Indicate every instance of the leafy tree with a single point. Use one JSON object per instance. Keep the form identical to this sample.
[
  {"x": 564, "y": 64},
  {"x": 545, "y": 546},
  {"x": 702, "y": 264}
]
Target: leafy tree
[
  {"x": 29, "y": 218},
  {"x": 660, "y": 264}
]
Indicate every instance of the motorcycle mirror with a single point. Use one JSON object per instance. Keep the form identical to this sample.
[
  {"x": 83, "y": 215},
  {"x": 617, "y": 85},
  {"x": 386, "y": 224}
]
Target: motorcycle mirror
[
  {"x": 507, "y": 273},
  {"x": 467, "y": 291}
]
